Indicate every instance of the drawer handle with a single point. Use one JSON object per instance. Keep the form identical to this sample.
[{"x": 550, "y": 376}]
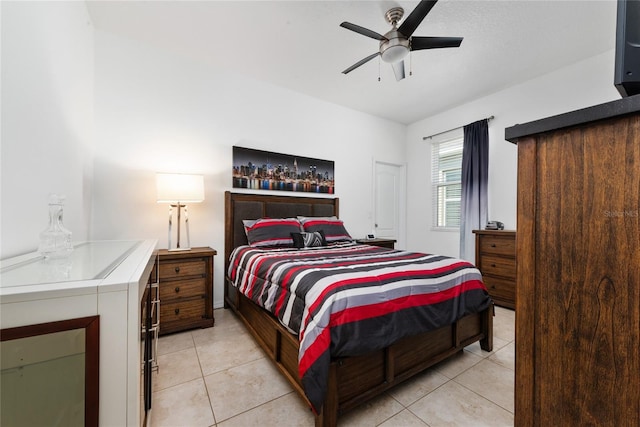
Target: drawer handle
[
  {"x": 493, "y": 286},
  {"x": 177, "y": 289},
  {"x": 493, "y": 265},
  {"x": 177, "y": 269},
  {"x": 177, "y": 311},
  {"x": 493, "y": 245}
]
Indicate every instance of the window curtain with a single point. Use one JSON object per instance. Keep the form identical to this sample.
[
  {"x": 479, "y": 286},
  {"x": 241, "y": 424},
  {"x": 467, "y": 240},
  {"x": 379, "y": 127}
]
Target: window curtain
[{"x": 475, "y": 178}]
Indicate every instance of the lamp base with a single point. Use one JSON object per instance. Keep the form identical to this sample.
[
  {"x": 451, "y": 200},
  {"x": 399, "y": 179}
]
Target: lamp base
[{"x": 179, "y": 206}]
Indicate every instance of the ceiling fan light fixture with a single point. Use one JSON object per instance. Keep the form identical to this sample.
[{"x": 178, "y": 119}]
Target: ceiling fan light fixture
[
  {"x": 394, "y": 48},
  {"x": 394, "y": 54}
]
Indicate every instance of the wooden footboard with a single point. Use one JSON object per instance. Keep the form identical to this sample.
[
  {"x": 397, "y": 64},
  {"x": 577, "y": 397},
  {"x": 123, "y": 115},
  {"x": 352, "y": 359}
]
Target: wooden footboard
[{"x": 354, "y": 380}]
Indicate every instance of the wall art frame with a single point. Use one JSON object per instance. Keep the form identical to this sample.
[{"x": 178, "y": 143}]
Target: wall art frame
[{"x": 266, "y": 170}]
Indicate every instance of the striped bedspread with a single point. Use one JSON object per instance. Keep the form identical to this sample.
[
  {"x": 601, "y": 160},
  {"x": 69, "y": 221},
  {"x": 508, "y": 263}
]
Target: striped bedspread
[{"x": 349, "y": 299}]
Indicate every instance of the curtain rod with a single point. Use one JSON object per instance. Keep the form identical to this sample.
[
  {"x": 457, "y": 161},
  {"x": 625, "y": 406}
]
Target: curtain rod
[{"x": 488, "y": 119}]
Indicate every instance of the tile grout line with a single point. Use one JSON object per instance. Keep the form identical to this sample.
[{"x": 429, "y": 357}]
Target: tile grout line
[
  {"x": 483, "y": 397},
  {"x": 213, "y": 414},
  {"x": 478, "y": 394}
]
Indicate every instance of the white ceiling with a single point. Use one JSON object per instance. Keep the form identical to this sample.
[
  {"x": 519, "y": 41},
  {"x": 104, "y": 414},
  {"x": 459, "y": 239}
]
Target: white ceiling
[{"x": 300, "y": 46}]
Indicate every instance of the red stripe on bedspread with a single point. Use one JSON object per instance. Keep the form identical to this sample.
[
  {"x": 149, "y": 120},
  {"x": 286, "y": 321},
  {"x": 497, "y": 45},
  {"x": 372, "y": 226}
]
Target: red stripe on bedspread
[{"x": 365, "y": 312}]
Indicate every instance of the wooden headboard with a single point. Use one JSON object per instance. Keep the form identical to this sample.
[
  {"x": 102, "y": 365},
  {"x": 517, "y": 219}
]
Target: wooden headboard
[{"x": 239, "y": 206}]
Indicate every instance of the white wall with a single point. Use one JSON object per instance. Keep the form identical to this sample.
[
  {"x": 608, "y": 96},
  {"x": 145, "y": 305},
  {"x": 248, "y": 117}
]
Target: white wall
[
  {"x": 156, "y": 111},
  {"x": 581, "y": 85},
  {"x": 47, "y": 119}
]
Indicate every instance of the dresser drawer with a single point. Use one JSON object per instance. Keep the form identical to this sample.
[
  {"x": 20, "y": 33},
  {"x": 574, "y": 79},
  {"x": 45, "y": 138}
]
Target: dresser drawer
[
  {"x": 498, "y": 245},
  {"x": 500, "y": 289},
  {"x": 498, "y": 266},
  {"x": 179, "y": 269},
  {"x": 182, "y": 311},
  {"x": 170, "y": 291}
]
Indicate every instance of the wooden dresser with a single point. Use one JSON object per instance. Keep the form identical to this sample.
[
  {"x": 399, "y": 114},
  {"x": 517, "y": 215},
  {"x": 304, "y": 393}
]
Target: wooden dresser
[
  {"x": 496, "y": 260},
  {"x": 186, "y": 289},
  {"x": 578, "y": 254}
]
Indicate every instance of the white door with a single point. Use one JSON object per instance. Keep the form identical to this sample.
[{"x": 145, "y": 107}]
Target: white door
[{"x": 389, "y": 201}]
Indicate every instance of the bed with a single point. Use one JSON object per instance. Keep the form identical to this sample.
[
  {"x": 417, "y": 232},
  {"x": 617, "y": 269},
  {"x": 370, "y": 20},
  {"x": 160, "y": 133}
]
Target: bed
[{"x": 347, "y": 381}]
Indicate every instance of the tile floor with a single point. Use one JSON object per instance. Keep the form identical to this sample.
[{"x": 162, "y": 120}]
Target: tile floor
[{"x": 220, "y": 377}]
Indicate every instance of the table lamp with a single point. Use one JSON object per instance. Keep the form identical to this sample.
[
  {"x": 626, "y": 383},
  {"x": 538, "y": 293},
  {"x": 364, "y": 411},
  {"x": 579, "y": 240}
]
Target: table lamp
[{"x": 177, "y": 190}]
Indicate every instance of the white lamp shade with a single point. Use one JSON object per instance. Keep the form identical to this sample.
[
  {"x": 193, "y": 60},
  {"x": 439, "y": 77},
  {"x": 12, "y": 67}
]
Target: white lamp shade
[{"x": 177, "y": 187}]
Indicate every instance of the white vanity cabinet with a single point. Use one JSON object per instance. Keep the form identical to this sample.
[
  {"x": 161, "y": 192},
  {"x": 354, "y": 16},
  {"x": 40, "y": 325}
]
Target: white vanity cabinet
[{"x": 101, "y": 278}]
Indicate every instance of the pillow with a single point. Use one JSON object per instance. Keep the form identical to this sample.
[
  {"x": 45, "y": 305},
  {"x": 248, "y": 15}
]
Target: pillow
[
  {"x": 272, "y": 232},
  {"x": 247, "y": 224},
  {"x": 308, "y": 240},
  {"x": 332, "y": 227}
]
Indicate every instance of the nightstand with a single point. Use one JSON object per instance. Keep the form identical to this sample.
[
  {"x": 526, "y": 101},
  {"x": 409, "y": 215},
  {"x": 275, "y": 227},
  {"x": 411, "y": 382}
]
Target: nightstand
[
  {"x": 383, "y": 243},
  {"x": 186, "y": 289}
]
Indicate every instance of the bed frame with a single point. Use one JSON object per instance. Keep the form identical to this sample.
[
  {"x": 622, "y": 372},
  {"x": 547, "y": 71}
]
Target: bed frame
[{"x": 352, "y": 380}]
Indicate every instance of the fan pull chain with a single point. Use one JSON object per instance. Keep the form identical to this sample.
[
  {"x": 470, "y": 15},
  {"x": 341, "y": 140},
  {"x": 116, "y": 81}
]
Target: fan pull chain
[
  {"x": 378, "y": 67},
  {"x": 410, "y": 64}
]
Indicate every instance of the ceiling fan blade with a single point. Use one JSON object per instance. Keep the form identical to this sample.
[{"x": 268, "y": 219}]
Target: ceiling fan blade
[
  {"x": 398, "y": 70},
  {"x": 359, "y": 63},
  {"x": 361, "y": 30},
  {"x": 420, "y": 43},
  {"x": 415, "y": 18}
]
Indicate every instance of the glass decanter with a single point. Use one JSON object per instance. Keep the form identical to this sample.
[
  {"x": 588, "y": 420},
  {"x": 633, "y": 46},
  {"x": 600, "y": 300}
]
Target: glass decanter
[{"x": 55, "y": 241}]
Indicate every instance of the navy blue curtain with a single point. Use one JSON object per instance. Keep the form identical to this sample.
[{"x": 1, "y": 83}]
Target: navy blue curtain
[{"x": 475, "y": 178}]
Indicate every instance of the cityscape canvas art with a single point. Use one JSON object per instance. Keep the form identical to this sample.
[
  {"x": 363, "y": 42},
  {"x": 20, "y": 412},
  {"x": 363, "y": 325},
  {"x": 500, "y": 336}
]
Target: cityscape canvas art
[{"x": 265, "y": 170}]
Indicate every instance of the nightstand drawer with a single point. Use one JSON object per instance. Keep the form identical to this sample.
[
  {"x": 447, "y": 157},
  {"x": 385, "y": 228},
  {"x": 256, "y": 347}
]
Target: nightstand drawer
[
  {"x": 180, "y": 269},
  {"x": 498, "y": 245},
  {"x": 182, "y": 311},
  {"x": 498, "y": 266},
  {"x": 182, "y": 289}
]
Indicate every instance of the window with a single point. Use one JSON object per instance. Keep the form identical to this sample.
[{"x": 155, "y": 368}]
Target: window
[{"x": 446, "y": 170}]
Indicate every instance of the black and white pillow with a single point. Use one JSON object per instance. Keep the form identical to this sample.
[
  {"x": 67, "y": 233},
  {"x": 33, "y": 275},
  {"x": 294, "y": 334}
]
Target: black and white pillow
[{"x": 308, "y": 240}]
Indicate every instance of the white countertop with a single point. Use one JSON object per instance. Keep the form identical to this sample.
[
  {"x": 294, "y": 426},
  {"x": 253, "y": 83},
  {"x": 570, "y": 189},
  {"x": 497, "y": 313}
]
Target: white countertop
[{"x": 92, "y": 267}]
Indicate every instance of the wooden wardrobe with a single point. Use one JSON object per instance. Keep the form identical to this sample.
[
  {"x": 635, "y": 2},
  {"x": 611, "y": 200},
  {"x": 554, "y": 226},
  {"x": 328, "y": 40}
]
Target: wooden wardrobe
[{"x": 578, "y": 268}]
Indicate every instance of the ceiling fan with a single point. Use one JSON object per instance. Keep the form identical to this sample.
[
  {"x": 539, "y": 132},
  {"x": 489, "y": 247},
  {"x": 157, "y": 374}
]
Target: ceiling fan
[{"x": 398, "y": 42}]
